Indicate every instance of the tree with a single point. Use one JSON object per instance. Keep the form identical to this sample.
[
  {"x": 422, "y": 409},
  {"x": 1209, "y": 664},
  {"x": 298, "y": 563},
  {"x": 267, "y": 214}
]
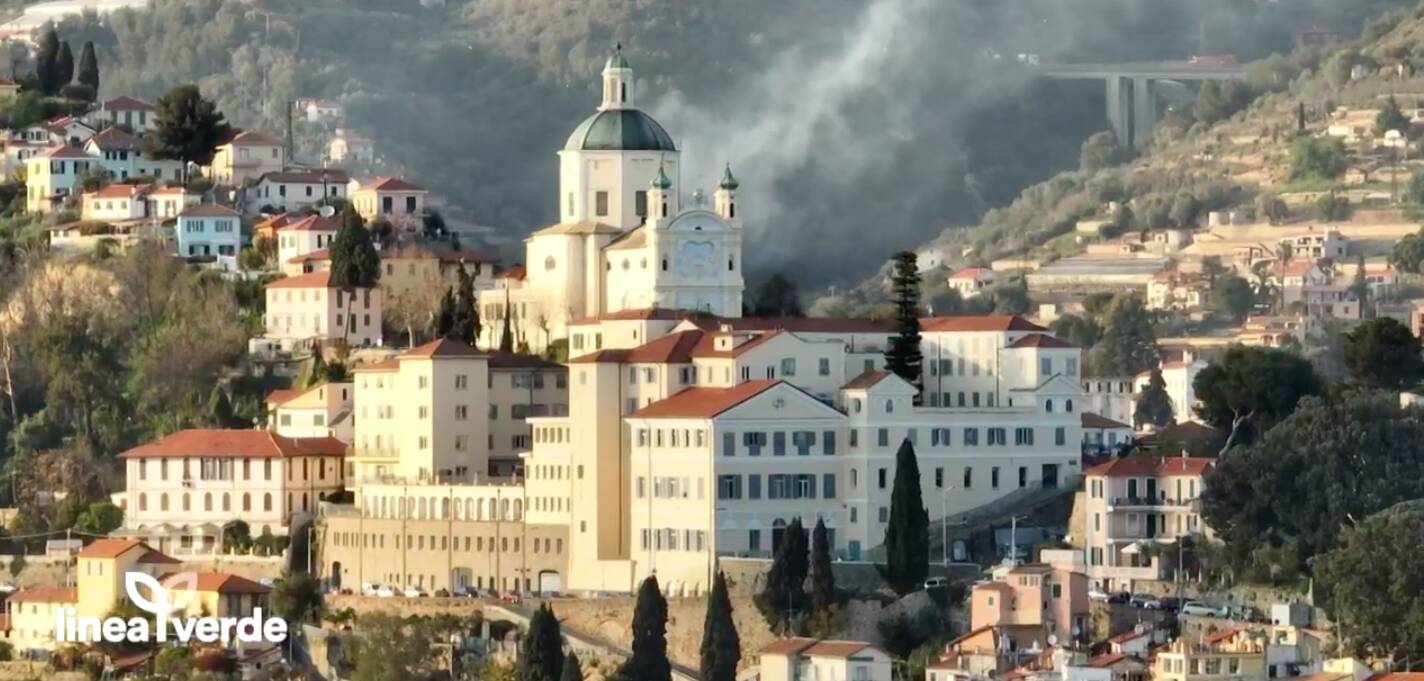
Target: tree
[
  {"x": 1080, "y": 331},
  {"x": 541, "y": 651},
  {"x": 721, "y": 645},
  {"x": 903, "y": 357},
  {"x": 187, "y": 127},
  {"x": 907, "y": 549},
  {"x": 649, "y": 661},
  {"x": 1233, "y": 296},
  {"x": 823, "y": 580},
  {"x": 222, "y": 415},
  {"x": 89, "y": 66},
  {"x": 1408, "y": 253},
  {"x": 466, "y": 313},
  {"x": 1332, "y": 207},
  {"x": 1391, "y": 117},
  {"x": 1252, "y": 389},
  {"x": 64, "y": 65},
  {"x": 1317, "y": 158},
  {"x": 1383, "y": 353},
  {"x": 573, "y": 670},
  {"x": 1217, "y": 100},
  {"x": 1185, "y": 210},
  {"x": 445, "y": 314},
  {"x": 785, "y": 590},
  {"x": 1102, "y": 150},
  {"x": 506, "y": 335},
  {"x": 1212, "y": 269},
  {"x": 1129, "y": 345},
  {"x": 47, "y": 62},
  {"x": 297, "y": 598},
  {"x": 410, "y": 309},
  {"x": 1271, "y": 208},
  {"x": 777, "y": 297},
  {"x": 1330, "y": 464},
  {"x": 1372, "y": 584},
  {"x": 390, "y": 648},
  {"x": 101, "y": 517},
  {"x": 1154, "y": 405},
  {"x": 1414, "y": 193},
  {"x": 354, "y": 261},
  {"x": 1300, "y": 116}
]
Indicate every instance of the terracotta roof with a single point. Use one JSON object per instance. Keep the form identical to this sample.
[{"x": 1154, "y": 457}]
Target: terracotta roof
[
  {"x": 320, "y": 279},
  {"x": 441, "y": 348},
  {"x": 319, "y": 255},
  {"x": 702, "y": 403},
  {"x": 513, "y": 272},
  {"x": 173, "y": 190},
  {"x": 1143, "y": 466},
  {"x": 127, "y": 104},
  {"x": 1004, "y": 628},
  {"x": 812, "y": 324},
  {"x": 46, "y": 594},
  {"x": 207, "y": 210},
  {"x": 117, "y": 191},
  {"x": 249, "y": 138},
  {"x": 278, "y": 220},
  {"x": 109, "y": 548},
  {"x": 392, "y": 184},
  {"x": 787, "y": 646},
  {"x": 308, "y": 176},
  {"x": 993, "y": 322},
  {"x": 311, "y": 223},
  {"x": 235, "y": 443},
  {"x": 283, "y": 395},
  {"x": 156, "y": 558},
  {"x": 840, "y": 649},
  {"x": 674, "y": 348},
  {"x": 866, "y": 380},
  {"x": 1129, "y": 635},
  {"x": 582, "y": 227},
  {"x": 1107, "y": 660},
  {"x": 217, "y": 582},
  {"x": 1040, "y": 340},
  {"x": 1219, "y": 636},
  {"x": 707, "y": 346},
  {"x": 971, "y": 273},
  {"x": 114, "y": 137},
  {"x": 1398, "y": 676},
  {"x": 1091, "y": 420},
  {"x": 67, "y": 152},
  {"x": 517, "y": 360}
]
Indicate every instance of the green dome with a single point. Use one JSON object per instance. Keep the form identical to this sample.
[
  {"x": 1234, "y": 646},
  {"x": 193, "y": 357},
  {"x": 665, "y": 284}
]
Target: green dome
[
  {"x": 616, "y": 60},
  {"x": 728, "y": 181},
  {"x": 620, "y": 130},
  {"x": 661, "y": 181}
]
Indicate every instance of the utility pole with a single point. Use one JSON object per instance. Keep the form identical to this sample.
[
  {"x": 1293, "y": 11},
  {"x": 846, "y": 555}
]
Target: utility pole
[{"x": 1014, "y": 538}]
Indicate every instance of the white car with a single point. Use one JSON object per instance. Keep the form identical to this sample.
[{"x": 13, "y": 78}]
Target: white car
[
  {"x": 1097, "y": 595},
  {"x": 384, "y": 591},
  {"x": 413, "y": 592},
  {"x": 1202, "y": 609}
]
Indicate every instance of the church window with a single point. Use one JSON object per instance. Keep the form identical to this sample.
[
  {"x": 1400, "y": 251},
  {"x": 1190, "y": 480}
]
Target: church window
[
  {"x": 732, "y": 210},
  {"x": 664, "y": 264},
  {"x": 640, "y": 203},
  {"x": 731, "y": 265},
  {"x": 600, "y": 203},
  {"x": 571, "y": 203},
  {"x": 622, "y": 92}
]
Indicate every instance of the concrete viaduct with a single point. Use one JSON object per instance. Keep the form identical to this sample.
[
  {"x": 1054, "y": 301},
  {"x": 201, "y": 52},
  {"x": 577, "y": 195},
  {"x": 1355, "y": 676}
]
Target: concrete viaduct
[{"x": 1132, "y": 107}]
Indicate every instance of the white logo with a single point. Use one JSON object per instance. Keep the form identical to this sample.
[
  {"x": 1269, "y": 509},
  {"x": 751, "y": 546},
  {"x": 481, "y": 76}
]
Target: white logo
[{"x": 170, "y": 605}]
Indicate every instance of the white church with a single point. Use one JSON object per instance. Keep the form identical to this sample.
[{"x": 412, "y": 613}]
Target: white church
[{"x": 625, "y": 239}]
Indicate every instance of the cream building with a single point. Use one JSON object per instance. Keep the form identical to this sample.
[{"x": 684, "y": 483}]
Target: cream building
[
  {"x": 295, "y": 189},
  {"x": 303, "y": 236},
  {"x": 395, "y": 200},
  {"x": 323, "y": 410},
  {"x": 247, "y": 156},
  {"x": 308, "y": 310},
  {"x": 54, "y": 176},
  {"x": 1132, "y": 503},
  {"x": 807, "y": 659},
  {"x": 1229, "y": 655},
  {"x": 625, "y": 238},
  {"x": 180, "y": 490},
  {"x": 1180, "y": 377}
]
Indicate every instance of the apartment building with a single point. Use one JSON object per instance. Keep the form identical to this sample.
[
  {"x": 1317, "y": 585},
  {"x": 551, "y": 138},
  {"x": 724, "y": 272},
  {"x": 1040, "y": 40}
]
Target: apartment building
[
  {"x": 1225, "y": 655},
  {"x": 247, "y": 156},
  {"x": 802, "y": 659},
  {"x": 1134, "y": 502},
  {"x": 1050, "y": 596},
  {"x": 54, "y": 176},
  {"x": 308, "y": 310},
  {"x": 323, "y": 410}
]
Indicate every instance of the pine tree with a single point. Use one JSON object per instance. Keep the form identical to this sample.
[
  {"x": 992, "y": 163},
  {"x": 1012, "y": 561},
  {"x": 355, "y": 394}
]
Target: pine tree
[
  {"x": 721, "y": 645},
  {"x": 907, "y": 553},
  {"x": 1154, "y": 405},
  {"x": 506, "y": 337},
  {"x": 187, "y": 127},
  {"x": 354, "y": 261},
  {"x": 903, "y": 355},
  {"x": 89, "y": 67},
  {"x": 784, "y": 591},
  {"x": 823, "y": 581},
  {"x": 46, "y": 61},
  {"x": 466, "y": 325},
  {"x": 64, "y": 65},
  {"x": 541, "y": 651},
  {"x": 573, "y": 670},
  {"x": 649, "y": 661},
  {"x": 445, "y": 316}
]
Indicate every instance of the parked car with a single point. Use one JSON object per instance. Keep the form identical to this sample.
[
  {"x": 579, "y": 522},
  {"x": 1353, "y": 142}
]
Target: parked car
[
  {"x": 1119, "y": 598},
  {"x": 1171, "y": 604},
  {"x": 1098, "y": 595},
  {"x": 466, "y": 591},
  {"x": 384, "y": 591},
  {"x": 1202, "y": 609},
  {"x": 441, "y": 593},
  {"x": 936, "y": 583},
  {"x": 413, "y": 592},
  {"x": 1144, "y": 601},
  {"x": 509, "y": 597}
]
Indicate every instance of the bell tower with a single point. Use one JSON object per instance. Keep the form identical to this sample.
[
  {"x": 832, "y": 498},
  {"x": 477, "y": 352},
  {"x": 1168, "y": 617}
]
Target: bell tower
[{"x": 617, "y": 82}]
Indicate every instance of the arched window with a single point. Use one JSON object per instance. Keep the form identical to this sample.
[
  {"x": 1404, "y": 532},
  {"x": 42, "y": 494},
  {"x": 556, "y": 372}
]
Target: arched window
[
  {"x": 1068, "y": 406},
  {"x": 187, "y": 504},
  {"x": 207, "y": 501},
  {"x": 504, "y": 509},
  {"x": 518, "y": 509},
  {"x": 267, "y": 501},
  {"x": 246, "y": 501},
  {"x": 421, "y": 510},
  {"x": 142, "y": 501},
  {"x": 889, "y": 406},
  {"x": 445, "y": 508},
  {"x": 227, "y": 501},
  {"x": 493, "y": 509},
  {"x": 163, "y": 502},
  {"x": 470, "y": 512},
  {"x": 290, "y": 505},
  {"x": 1048, "y": 406}
]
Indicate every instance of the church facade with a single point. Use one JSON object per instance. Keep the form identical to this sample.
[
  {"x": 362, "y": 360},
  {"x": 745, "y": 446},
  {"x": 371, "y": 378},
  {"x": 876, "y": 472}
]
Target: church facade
[{"x": 627, "y": 238}]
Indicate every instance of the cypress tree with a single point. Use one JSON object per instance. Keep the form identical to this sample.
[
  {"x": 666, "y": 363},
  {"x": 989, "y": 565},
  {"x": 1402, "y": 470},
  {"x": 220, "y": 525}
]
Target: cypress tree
[
  {"x": 721, "y": 646},
  {"x": 907, "y": 553},
  {"x": 64, "y": 66},
  {"x": 903, "y": 357},
  {"x": 89, "y": 66},
  {"x": 221, "y": 407},
  {"x": 573, "y": 671},
  {"x": 649, "y": 661},
  {"x": 466, "y": 312},
  {"x": 541, "y": 652},
  {"x": 823, "y": 581},
  {"x": 46, "y": 59},
  {"x": 318, "y": 370},
  {"x": 354, "y": 261},
  {"x": 445, "y": 317},
  {"x": 785, "y": 582},
  {"x": 506, "y": 337}
]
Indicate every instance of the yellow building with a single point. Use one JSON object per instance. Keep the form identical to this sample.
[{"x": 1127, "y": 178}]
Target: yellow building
[
  {"x": 54, "y": 176},
  {"x": 247, "y": 156},
  {"x": 1230, "y": 655},
  {"x": 397, "y": 201}
]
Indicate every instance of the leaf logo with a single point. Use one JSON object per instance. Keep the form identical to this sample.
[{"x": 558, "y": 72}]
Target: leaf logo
[{"x": 150, "y": 595}]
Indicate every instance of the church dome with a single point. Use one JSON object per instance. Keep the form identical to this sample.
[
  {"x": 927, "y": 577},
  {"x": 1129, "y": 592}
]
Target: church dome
[{"x": 620, "y": 130}]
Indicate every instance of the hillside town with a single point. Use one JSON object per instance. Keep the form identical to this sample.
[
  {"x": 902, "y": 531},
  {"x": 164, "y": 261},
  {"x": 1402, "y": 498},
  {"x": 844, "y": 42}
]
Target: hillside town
[{"x": 270, "y": 415}]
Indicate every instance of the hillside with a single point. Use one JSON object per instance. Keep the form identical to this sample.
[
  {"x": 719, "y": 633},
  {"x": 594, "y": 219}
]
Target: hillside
[{"x": 1230, "y": 150}]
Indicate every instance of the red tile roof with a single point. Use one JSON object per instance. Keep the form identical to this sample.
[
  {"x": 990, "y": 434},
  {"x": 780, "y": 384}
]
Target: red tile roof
[
  {"x": 235, "y": 443},
  {"x": 311, "y": 223},
  {"x": 308, "y": 176},
  {"x": 1129, "y": 635},
  {"x": 392, "y": 184},
  {"x": 1091, "y": 420},
  {"x": 993, "y": 322},
  {"x": 1219, "y": 636},
  {"x": 114, "y": 137},
  {"x": 1040, "y": 340},
  {"x": 216, "y": 582},
  {"x": 1107, "y": 660},
  {"x": 702, "y": 403},
  {"x": 249, "y": 138},
  {"x": 109, "y": 548},
  {"x": 971, "y": 273},
  {"x": 208, "y": 210},
  {"x": 1143, "y": 466},
  {"x": 787, "y": 646},
  {"x": 674, "y": 348},
  {"x": 68, "y": 152},
  {"x": 866, "y": 380},
  {"x": 118, "y": 191},
  {"x": 46, "y": 594},
  {"x": 840, "y": 649},
  {"x": 442, "y": 348},
  {"x": 513, "y": 272},
  {"x": 282, "y": 396},
  {"x": 320, "y": 279},
  {"x": 127, "y": 104}
]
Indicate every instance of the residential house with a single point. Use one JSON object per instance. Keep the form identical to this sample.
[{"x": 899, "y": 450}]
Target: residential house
[
  {"x": 247, "y": 156},
  {"x": 1229, "y": 655},
  {"x": 123, "y": 157},
  {"x": 181, "y": 489},
  {"x": 1109, "y": 666},
  {"x": 294, "y": 189},
  {"x": 1174, "y": 290},
  {"x": 210, "y": 230},
  {"x": 266, "y": 228},
  {"x": 1134, "y": 502},
  {"x": 55, "y": 176},
  {"x": 1315, "y": 245},
  {"x": 1102, "y": 435},
  {"x": 989, "y": 652},
  {"x": 308, "y": 310},
  {"x": 18, "y": 151},
  {"x": 323, "y": 410},
  {"x": 116, "y": 202},
  {"x": 803, "y": 659},
  {"x": 1275, "y": 331},
  {"x": 1110, "y": 397},
  {"x": 1054, "y": 598},
  {"x": 521, "y": 387},
  {"x": 320, "y": 110},
  {"x": 302, "y": 236},
  {"x": 133, "y": 114},
  {"x": 396, "y": 200},
  {"x": 970, "y": 281},
  {"x": 346, "y": 147},
  {"x": 412, "y": 270}
]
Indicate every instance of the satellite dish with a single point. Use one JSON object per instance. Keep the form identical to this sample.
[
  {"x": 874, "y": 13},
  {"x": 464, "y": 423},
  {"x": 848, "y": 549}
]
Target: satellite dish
[
  {"x": 1053, "y": 639},
  {"x": 327, "y": 211},
  {"x": 1140, "y": 628}
]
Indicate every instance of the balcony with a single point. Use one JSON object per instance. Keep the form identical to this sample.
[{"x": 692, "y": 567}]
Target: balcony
[{"x": 1131, "y": 503}]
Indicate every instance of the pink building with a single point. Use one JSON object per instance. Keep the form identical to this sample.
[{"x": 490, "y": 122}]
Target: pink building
[{"x": 1052, "y": 597}]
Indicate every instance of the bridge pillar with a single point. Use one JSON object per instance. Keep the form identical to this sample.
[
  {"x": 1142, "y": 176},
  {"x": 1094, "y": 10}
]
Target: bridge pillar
[
  {"x": 1144, "y": 112},
  {"x": 1119, "y": 101}
]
